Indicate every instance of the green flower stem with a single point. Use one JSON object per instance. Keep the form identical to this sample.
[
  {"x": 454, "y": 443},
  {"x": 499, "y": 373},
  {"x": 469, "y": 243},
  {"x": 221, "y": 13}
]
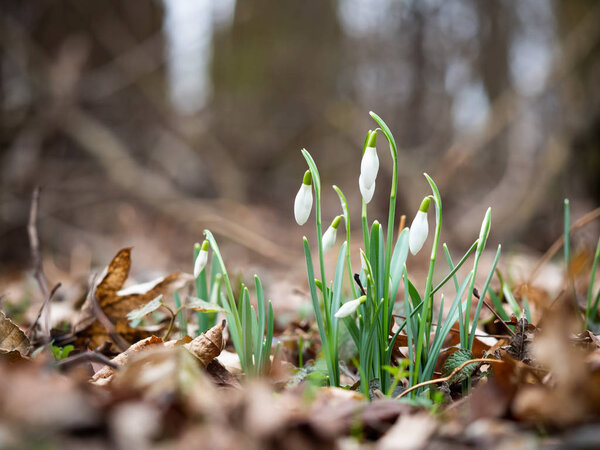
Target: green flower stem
[
  {"x": 481, "y": 298},
  {"x": 172, "y": 321},
  {"x": 483, "y": 235},
  {"x": 230, "y": 306},
  {"x": 346, "y": 215},
  {"x": 329, "y": 327}
]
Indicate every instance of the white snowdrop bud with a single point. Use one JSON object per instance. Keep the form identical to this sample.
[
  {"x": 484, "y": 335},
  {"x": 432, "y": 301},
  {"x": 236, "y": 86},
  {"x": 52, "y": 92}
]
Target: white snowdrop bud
[
  {"x": 419, "y": 228},
  {"x": 350, "y": 307},
  {"x": 369, "y": 165},
  {"x": 367, "y": 193},
  {"x": 330, "y": 234},
  {"x": 304, "y": 200},
  {"x": 201, "y": 259}
]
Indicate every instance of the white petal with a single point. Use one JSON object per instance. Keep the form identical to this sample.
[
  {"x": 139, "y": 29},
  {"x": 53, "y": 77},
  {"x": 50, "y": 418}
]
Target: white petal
[
  {"x": 329, "y": 238},
  {"x": 303, "y": 203},
  {"x": 367, "y": 193},
  {"x": 369, "y": 166},
  {"x": 418, "y": 232},
  {"x": 200, "y": 262},
  {"x": 348, "y": 308}
]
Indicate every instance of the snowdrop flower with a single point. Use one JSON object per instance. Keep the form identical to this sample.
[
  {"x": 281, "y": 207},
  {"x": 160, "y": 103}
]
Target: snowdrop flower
[
  {"x": 350, "y": 307},
  {"x": 330, "y": 234},
  {"x": 367, "y": 193},
  {"x": 419, "y": 228},
  {"x": 304, "y": 200},
  {"x": 369, "y": 165},
  {"x": 201, "y": 259}
]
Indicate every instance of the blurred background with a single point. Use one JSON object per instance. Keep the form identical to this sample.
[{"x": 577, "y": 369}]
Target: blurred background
[{"x": 147, "y": 121}]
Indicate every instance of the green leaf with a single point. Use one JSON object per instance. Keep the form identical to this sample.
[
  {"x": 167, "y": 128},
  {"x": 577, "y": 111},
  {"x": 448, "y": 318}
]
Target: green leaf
[
  {"x": 198, "y": 304},
  {"x": 455, "y": 360},
  {"x": 138, "y": 314}
]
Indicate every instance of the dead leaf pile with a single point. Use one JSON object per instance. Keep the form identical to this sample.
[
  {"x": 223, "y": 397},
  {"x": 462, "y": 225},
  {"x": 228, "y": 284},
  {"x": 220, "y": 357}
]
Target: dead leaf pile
[{"x": 116, "y": 302}]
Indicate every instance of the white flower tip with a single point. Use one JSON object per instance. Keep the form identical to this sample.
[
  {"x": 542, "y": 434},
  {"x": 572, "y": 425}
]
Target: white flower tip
[
  {"x": 367, "y": 193},
  {"x": 303, "y": 204},
  {"x": 369, "y": 166},
  {"x": 200, "y": 262},
  {"x": 329, "y": 238},
  {"x": 349, "y": 308},
  {"x": 418, "y": 232}
]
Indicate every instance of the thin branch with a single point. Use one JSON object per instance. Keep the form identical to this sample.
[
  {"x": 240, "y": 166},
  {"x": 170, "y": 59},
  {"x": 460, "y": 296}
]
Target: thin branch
[
  {"x": 51, "y": 295},
  {"x": 449, "y": 377},
  {"x": 500, "y": 319},
  {"x": 38, "y": 270},
  {"x": 86, "y": 357}
]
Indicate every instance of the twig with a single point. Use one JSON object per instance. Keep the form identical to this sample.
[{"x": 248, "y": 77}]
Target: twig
[
  {"x": 500, "y": 319},
  {"x": 33, "y": 325},
  {"x": 555, "y": 247},
  {"x": 449, "y": 377},
  {"x": 86, "y": 357},
  {"x": 455, "y": 330},
  {"x": 38, "y": 270},
  {"x": 105, "y": 321}
]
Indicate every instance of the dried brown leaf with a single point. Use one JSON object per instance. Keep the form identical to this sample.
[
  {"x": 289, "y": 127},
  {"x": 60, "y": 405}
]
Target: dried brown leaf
[
  {"x": 208, "y": 345},
  {"x": 92, "y": 333},
  {"x": 104, "y": 375},
  {"x": 12, "y": 337}
]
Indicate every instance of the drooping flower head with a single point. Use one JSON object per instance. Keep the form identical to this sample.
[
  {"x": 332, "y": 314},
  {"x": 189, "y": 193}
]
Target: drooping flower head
[
  {"x": 201, "y": 259},
  {"x": 331, "y": 233},
  {"x": 350, "y": 307},
  {"x": 369, "y": 165},
  {"x": 367, "y": 194},
  {"x": 419, "y": 228},
  {"x": 304, "y": 200}
]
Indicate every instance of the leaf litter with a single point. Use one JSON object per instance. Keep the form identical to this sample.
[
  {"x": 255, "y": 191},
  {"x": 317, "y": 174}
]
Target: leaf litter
[{"x": 541, "y": 388}]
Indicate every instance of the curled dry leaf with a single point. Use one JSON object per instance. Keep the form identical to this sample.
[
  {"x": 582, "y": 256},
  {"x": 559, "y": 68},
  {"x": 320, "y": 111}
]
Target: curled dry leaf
[
  {"x": 105, "y": 374},
  {"x": 163, "y": 373},
  {"x": 117, "y": 302},
  {"x": 208, "y": 345},
  {"x": 12, "y": 337}
]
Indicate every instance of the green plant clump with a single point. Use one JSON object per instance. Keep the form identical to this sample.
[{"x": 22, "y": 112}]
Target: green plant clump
[{"x": 368, "y": 315}]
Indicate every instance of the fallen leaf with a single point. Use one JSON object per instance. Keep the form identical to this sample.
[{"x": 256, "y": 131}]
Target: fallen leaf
[
  {"x": 163, "y": 373},
  {"x": 105, "y": 374},
  {"x": 12, "y": 337},
  {"x": 116, "y": 306},
  {"x": 198, "y": 304},
  {"x": 520, "y": 345},
  {"x": 137, "y": 314},
  {"x": 411, "y": 431},
  {"x": 208, "y": 345}
]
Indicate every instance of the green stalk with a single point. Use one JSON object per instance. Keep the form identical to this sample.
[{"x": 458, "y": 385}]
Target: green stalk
[
  {"x": 346, "y": 215},
  {"x": 429, "y": 282},
  {"x": 230, "y": 305},
  {"x": 483, "y": 235},
  {"x": 590, "y": 294}
]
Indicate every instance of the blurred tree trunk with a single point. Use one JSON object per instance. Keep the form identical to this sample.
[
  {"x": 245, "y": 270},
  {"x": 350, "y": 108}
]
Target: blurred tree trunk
[
  {"x": 495, "y": 33},
  {"x": 58, "y": 55},
  {"x": 274, "y": 72},
  {"x": 582, "y": 94}
]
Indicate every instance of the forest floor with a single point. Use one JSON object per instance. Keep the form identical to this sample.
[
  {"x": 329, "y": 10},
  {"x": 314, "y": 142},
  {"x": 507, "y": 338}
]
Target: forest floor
[{"x": 77, "y": 372}]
